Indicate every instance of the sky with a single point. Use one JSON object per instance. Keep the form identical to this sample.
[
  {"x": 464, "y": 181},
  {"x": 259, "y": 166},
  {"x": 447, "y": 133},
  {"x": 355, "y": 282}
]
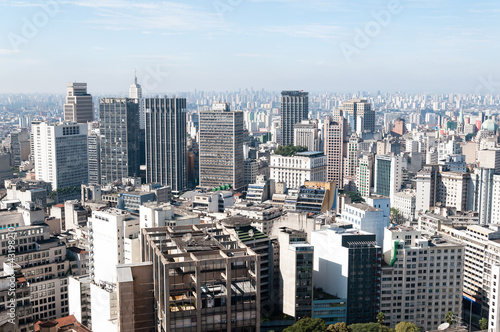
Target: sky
[{"x": 219, "y": 45}]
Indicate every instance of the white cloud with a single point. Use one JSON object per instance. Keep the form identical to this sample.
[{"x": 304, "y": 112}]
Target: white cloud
[{"x": 6, "y": 51}]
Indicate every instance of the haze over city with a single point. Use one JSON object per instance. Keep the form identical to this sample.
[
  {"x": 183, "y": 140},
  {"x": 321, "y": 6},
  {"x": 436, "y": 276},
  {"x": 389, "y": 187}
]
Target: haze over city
[{"x": 412, "y": 46}]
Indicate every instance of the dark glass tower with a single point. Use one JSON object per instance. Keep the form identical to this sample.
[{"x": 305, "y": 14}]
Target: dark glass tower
[
  {"x": 120, "y": 138},
  {"x": 166, "y": 145}
]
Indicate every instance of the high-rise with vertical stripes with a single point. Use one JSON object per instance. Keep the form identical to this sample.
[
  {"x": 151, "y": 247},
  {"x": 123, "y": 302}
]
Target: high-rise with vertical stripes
[
  {"x": 166, "y": 146},
  {"x": 294, "y": 109}
]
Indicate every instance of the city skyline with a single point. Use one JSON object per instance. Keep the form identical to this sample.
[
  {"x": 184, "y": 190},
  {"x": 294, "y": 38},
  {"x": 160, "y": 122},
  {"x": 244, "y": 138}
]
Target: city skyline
[{"x": 176, "y": 46}]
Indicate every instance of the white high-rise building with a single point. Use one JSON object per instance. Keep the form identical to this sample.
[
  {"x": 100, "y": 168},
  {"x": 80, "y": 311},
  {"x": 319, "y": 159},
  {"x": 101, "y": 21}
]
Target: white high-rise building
[
  {"x": 296, "y": 170},
  {"x": 114, "y": 240},
  {"x": 60, "y": 153},
  {"x": 135, "y": 92},
  {"x": 366, "y": 218}
]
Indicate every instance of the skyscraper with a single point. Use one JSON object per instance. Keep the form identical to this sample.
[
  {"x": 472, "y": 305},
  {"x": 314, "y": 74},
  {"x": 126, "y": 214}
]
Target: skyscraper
[
  {"x": 334, "y": 149},
  {"x": 60, "y": 153},
  {"x": 166, "y": 147},
  {"x": 360, "y": 110},
  {"x": 78, "y": 107},
  {"x": 135, "y": 92},
  {"x": 94, "y": 154},
  {"x": 388, "y": 175},
  {"x": 294, "y": 109},
  {"x": 221, "y": 147},
  {"x": 120, "y": 134}
]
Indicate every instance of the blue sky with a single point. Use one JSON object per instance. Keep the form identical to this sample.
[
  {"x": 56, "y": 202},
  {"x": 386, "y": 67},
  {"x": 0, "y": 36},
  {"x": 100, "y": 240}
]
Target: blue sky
[{"x": 314, "y": 45}]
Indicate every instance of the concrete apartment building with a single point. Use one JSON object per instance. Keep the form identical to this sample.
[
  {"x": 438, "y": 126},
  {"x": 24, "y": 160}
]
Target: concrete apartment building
[
  {"x": 295, "y": 170},
  {"x": 42, "y": 260},
  {"x": 423, "y": 278},
  {"x": 366, "y": 218},
  {"x": 205, "y": 279}
]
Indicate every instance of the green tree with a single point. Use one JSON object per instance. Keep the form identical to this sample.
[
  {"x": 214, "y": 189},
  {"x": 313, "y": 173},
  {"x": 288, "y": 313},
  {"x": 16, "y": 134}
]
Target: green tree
[
  {"x": 355, "y": 197},
  {"x": 308, "y": 325},
  {"x": 380, "y": 318},
  {"x": 449, "y": 317},
  {"x": 396, "y": 217},
  {"x": 483, "y": 324},
  {"x": 407, "y": 327},
  {"x": 367, "y": 327},
  {"x": 289, "y": 150},
  {"x": 339, "y": 327}
]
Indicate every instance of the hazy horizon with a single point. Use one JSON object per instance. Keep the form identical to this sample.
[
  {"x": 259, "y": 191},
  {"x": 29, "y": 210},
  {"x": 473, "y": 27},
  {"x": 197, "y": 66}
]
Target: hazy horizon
[{"x": 412, "y": 46}]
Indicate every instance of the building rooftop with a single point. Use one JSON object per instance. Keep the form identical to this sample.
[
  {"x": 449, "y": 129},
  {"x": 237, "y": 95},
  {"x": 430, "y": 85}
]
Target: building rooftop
[
  {"x": 309, "y": 154},
  {"x": 364, "y": 207}
]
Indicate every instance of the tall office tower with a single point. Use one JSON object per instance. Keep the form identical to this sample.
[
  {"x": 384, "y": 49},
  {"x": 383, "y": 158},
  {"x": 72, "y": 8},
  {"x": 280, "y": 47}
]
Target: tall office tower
[
  {"x": 294, "y": 109},
  {"x": 120, "y": 134},
  {"x": 334, "y": 149},
  {"x": 388, "y": 175},
  {"x": 94, "y": 154},
  {"x": 78, "y": 107},
  {"x": 114, "y": 241},
  {"x": 355, "y": 267},
  {"x": 482, "y": 191},
  {"x": 352, "y": 162},
  {"x": 166, "y": 146},
  {"x": 60, "y": 153},
  {"x": 296, "y": 269},
  {"x": 18, "y": 144},
  {"x": 210, "y": 281},
  {"x": 221, "y": 147},
  {"x": 306, "y": 134},
  {"x": 135, "y": 93},
  {"x": 422, "y": 279},
  {"x": 360, "y": 108},
  {"x": 364, "y": 176}
]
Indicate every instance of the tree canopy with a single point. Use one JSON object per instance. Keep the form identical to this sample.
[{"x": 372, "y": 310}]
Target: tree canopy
[
  {"x": 289, "y": 150},
  {"x": 407, "y": 327},
  {"x": 308, "y": 325}
]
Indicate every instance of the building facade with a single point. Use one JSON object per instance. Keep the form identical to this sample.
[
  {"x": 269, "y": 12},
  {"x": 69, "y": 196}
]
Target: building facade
[
  {"x": 120, "y": 134},
  {"x": 166, "y": 147},
  {"x": 334, "y": 149},
  {"x": 294, "y": 171},
  {"x": 221, "y": 147},
  {"x": 294, "y": 109},
  {"x": 78, "y": 106},
  {"x": 60, "y": 153}
]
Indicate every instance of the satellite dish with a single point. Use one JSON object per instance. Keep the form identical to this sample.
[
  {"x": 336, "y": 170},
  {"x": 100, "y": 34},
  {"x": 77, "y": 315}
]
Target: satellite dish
[
  {"x": 443, "y": 326},
  {"x": 187, "y": 237},
  {"x": 250, "y": 233}
]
